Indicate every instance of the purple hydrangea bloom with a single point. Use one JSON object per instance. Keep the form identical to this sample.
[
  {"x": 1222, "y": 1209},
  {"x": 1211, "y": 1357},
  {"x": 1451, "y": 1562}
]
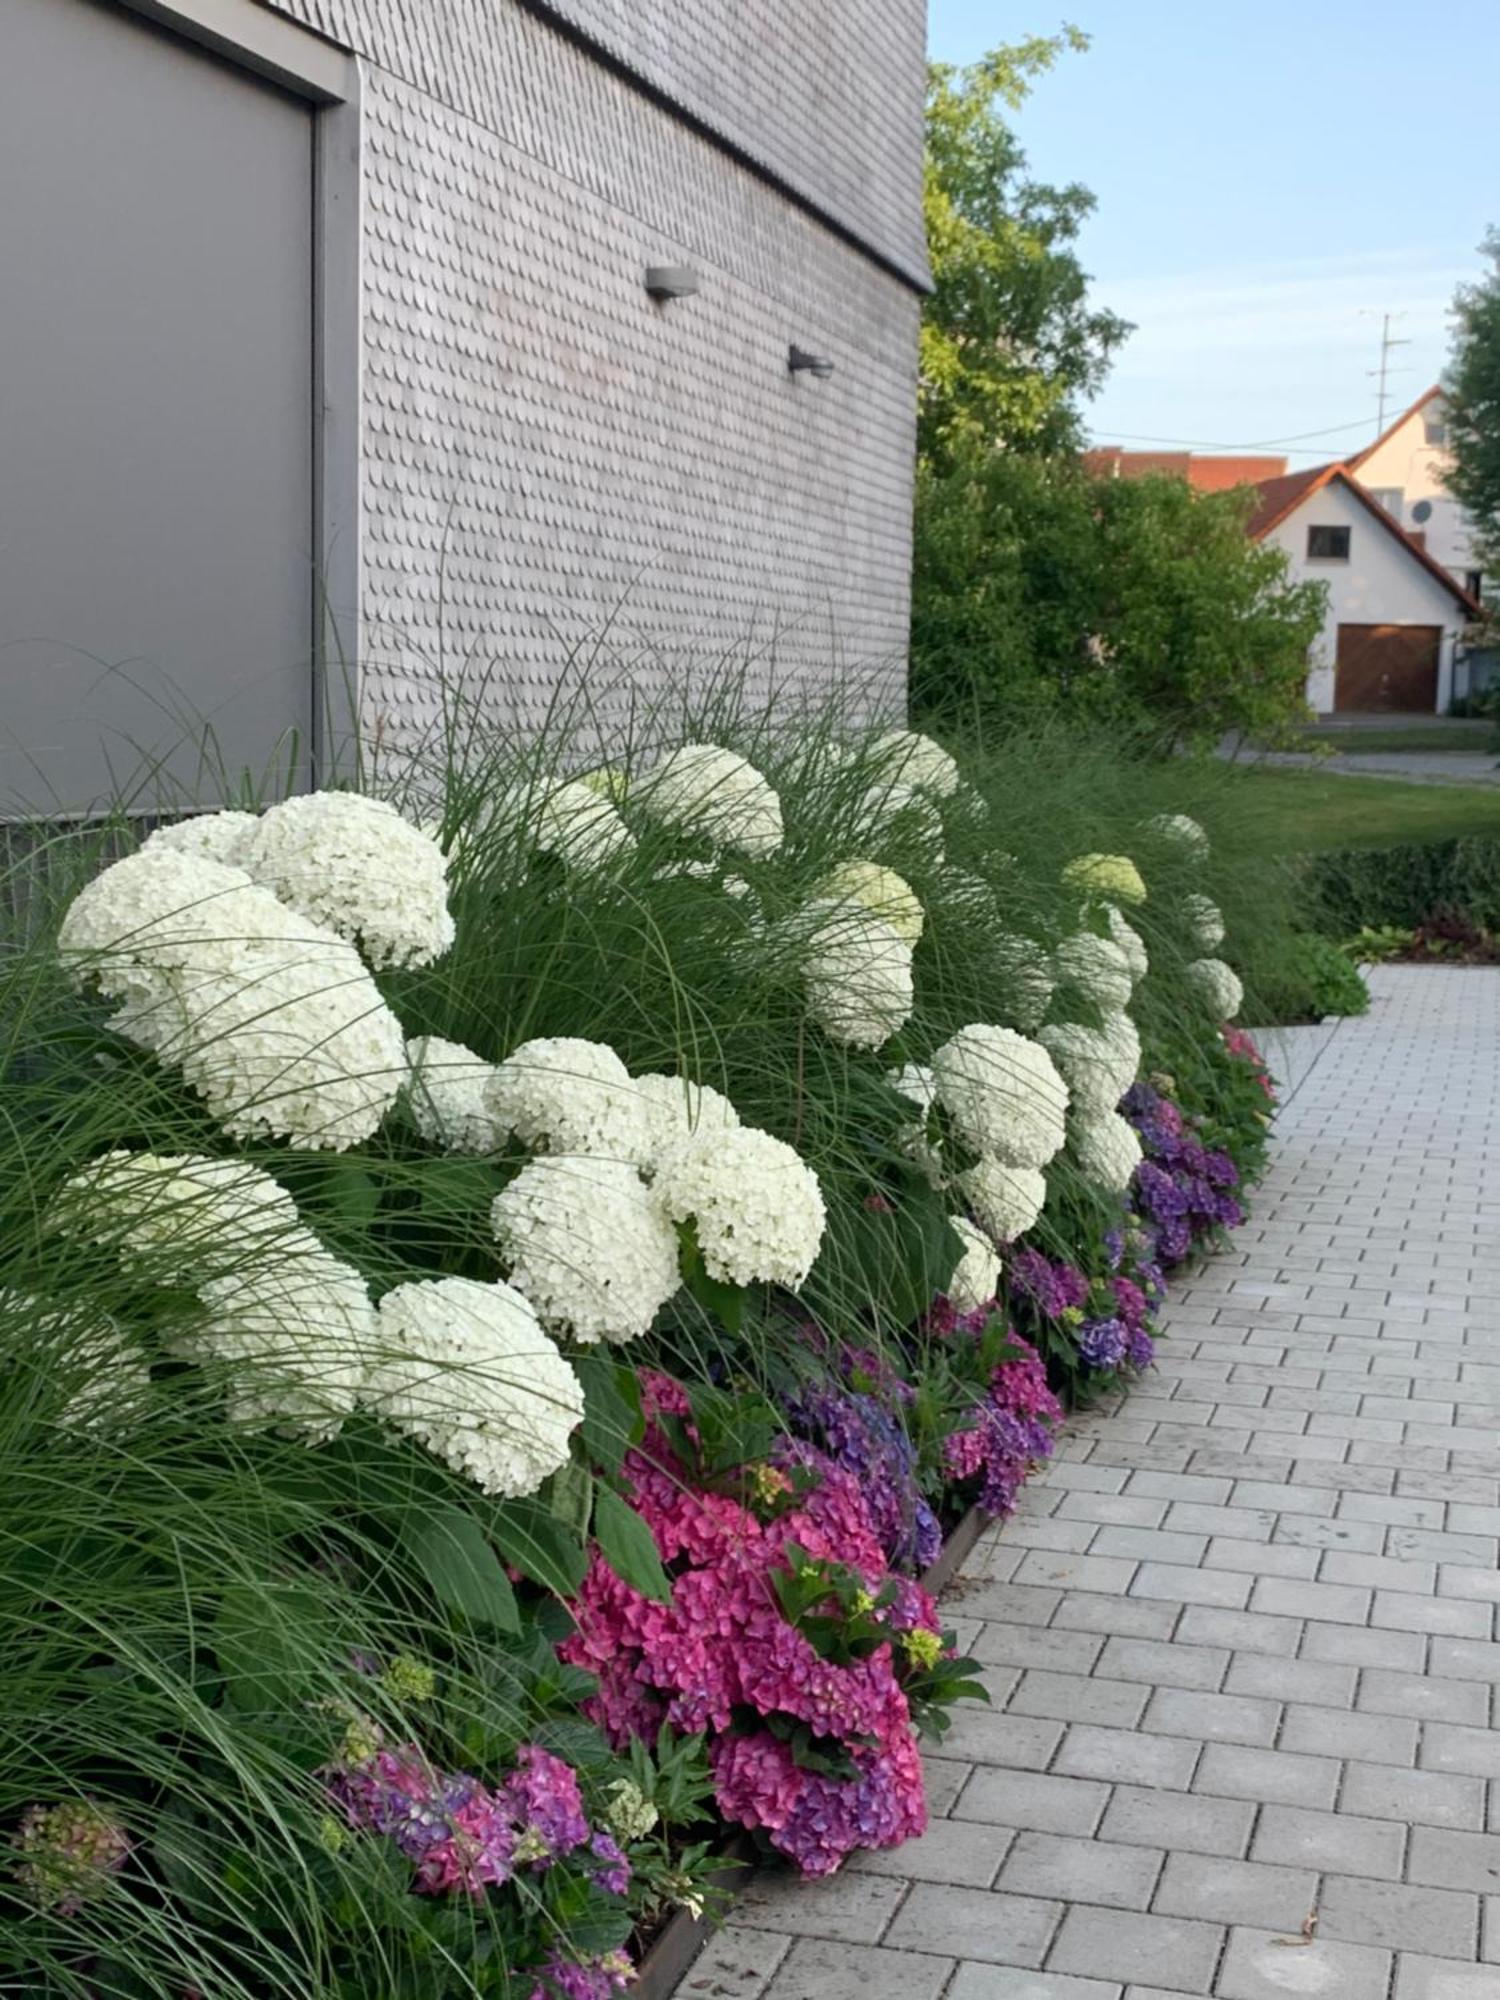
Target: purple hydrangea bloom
[
  {"x": 614, "y": 1873},
  {"x": 1052, "y": 1288},
  {"x": 1102, "y": 1342},
  {"x": 859, "y": 1433}
]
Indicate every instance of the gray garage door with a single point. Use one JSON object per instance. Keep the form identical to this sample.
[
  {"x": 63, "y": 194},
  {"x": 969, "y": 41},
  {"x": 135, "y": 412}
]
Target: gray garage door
[{"x": 156, "y": 489}]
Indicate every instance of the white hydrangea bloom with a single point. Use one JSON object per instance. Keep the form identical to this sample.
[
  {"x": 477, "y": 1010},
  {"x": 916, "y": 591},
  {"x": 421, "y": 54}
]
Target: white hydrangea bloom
[
  {"x": 756, "y": 1205},
  {"x": 445, "y": 1094},
  {"x": 561, "y": 1094},
  {"x": 918, "y": 1086},
  {"x": 1182, "y": 833},
  {"x": 1130, "y": 942},
  {"x": 1030, "y": 980},
  {"x": 918, "y": 761},
  {"x": 355, "y": 865},
  {"x": 219, "y": 836},
  {"x": 1099, "y": 1064},
  {"x": 1098, "y": 967},
  {"x": 291, "y": 1323},
  {"x": 976, "y": 1276},
  {"x": 272, "y": 1019},
  {"x": 1113, "y": 875},
  {"x": 880, "y": 890},
  {"x": 589, "y": 1245},
  {"x": 857, "y": 973},
  {"x": 1205, "y": 921},
  {"x": 1006, "y": 1200},
  {"x": 467, "y": 1370},
  {"x": 577, "y": 822},
  {"x": 82, "y": 1348},
  {"x": 295, "y": 1331},
  {"x": 1003, "y": 1094},
  {"x": 677, "y": 1110},
  {"x": 887, "y": 805},
  {"x": 711, "y": 794},
  {"x": 916, "y": 1083},
  {"x": 1218, "y": 985},
  {"x": 1107, "y": 1149}
]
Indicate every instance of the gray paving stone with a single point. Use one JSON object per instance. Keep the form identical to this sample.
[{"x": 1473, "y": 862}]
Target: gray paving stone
[
  {"x": 1114, "y": 1943},
  {"x": 735, "y": 1964},
  {"x": 849, "y": 1905},
  {"x": 1442, "y": 1922},
  {"x": 1419, "y": 1978},
  {"x": 1349, "y": 1645},
  {"x": 1236, "y": 1892},
  {"x": 1028, "y": 1799},
  {"x": 1082, "y": 1871},
  {"x": 1449, "y": 1860},
  {"x": 1464, "y": 1659},
  {"x": 1234, "y": 1771},
  {"x": 1163, "y": 1664},
  {"x": 1260, "y": 1558},
  {"x": 951, "y": 1850},
  {"x": 986, "y": 1924},
  {"x": 1330, "y": 1603},
  {"x": 816, "y": 1970},
  {"x": 1080, "y": 1698},
  {"x": 1180, "y": 1821},
  {"x": 1447, "y": 1747},
  {"x": 1322, "y": 1684},
  {"x": 1365, "y": 1739},
  {"x": 1057, "y": 1570},
  {"x": 1240, "y": 1631},
  {"x": 1424, "y": 1695},
  {"x": 1423, "y": 1798},
  {"x": 1009, "y": 1982},
  {"x": 1177, "y": 1584},
  {"x": 1263, "y": 1965},
  {"x": 1212, "y": 1718},
  {"x": 1066, "y": 1652},
  {"x": 1023, "y": 1741},
  {"x": 1128, "y": 1616},
  {"x": 1121, "y": 1757},
  {"x": 1338, "y": 1843},
  {"x": 946, "y": 1778}
]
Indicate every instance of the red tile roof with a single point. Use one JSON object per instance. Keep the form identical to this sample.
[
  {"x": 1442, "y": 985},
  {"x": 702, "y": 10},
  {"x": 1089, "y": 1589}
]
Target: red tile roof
[
  {"x": 1209, "y": 474},
  {"x": 1279, "y": 498}
]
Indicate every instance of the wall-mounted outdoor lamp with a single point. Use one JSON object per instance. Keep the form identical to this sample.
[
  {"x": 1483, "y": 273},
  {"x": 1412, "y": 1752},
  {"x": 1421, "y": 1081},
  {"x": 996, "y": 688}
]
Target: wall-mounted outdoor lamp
[
  {"x": 800, "y": 362},
  {"x": 671, "y": 281}
]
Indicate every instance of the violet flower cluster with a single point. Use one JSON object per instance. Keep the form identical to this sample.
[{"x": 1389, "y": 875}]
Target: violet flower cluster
[
  {"x": 866, "y": 1436},
  {"x": 462, "y": 1835},
  {"x": 1182, "y": 1187},
  {"x": 1010, "y": 1432},
  {"x": 722, "y": 1657}
]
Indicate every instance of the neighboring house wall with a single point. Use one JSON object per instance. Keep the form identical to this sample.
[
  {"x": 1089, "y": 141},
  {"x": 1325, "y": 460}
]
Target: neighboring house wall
[
  {"x": 1380, "y": 584},
  {"x": 546, "y": 452},
  {"x": 1406, "y": 467}
]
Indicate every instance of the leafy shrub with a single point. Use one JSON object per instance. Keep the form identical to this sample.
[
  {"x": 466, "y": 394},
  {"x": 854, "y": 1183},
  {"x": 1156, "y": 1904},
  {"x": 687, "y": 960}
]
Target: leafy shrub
[
  {"x": 1353, "y": 889},
  {"x": 1309, "y": 978}
]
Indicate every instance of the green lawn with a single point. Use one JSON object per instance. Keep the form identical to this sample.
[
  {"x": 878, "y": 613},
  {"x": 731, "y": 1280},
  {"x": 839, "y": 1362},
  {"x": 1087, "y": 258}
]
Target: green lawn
[
  {"x": 1441, "y": 736},
  {"x": 1288, "y": 811}
]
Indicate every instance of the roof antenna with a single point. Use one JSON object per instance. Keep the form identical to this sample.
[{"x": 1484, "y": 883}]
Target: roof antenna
[{"x": 1385, "y": 369}]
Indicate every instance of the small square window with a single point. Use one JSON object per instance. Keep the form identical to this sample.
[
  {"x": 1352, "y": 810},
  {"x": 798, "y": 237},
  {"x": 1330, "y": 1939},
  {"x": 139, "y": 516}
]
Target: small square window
[
  {"x": 1435, "y": 426},
  {"x": 1389, "y": 497},
  {"x": 1328, "y": 544},
  {"x": 1474, "y": 581}
]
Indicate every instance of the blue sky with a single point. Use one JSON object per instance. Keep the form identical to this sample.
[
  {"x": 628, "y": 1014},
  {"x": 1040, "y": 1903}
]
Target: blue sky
[{"x": 1271, "y": 178}]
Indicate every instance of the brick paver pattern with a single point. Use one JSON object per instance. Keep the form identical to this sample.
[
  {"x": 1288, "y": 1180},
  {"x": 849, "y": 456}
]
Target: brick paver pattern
[{"x": 1240, "y": 1637}]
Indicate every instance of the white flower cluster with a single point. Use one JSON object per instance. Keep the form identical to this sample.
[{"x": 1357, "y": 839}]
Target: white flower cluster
[
  {"x": 1100, "y": 1064},
  {"x": 561, "y": 1094},
  {"x": 917, "y": 761},
  {"x": 271, "y": 1018},
  {"x": 857, "y": 973},
  {"x": 1205, "y": 922},
  {"x": 1003, "y": 1094},
  {"x": 677, "y": 1110},
  {"x": 1217, "y": 984},
  {"x": 1098, "y": 967},
  {"x": 84, "y": 1352},
  {"x": 917, "y": 1084},
  {"x": 467, "y": 1370},
  {"x": 1029, "y": 978},
  {"x": 1007, "y": 1200},
  {"x": 711, "y": 794},
  {"x": 577, "y": 822},
  {"x": 888, "y": 805},
  {"x": 1107, "y": 1149},
  {"x": 1178, "y": 831},
  {"x": 756, "y": 1206},
  {"x": 219, "y": 836},
  {"x": 881, "y": 891},
  {"x": 1130, "y": 942},
  {"x": 290, "y": 1323},
  {"x": 446, "y": 1095},
  {"x": 976, "y": 1275},
  {"x": 1113, "y": 875},
  {"x": 588, "y": 1243},
  {"x": 355, "y": 865}
]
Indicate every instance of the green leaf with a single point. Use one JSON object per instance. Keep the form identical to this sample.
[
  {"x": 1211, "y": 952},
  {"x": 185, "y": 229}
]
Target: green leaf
[
  {"x": 453, "y": 1553},
  {"x": 269, "y": 1640},
  {"x": 539, "y": 1545},
  {"x": 572, "y": 1496},
  {"x": 612, "y": 1418},
  {"x": 628, "y": 1546},
  {"x": 725, "y": 1302}
]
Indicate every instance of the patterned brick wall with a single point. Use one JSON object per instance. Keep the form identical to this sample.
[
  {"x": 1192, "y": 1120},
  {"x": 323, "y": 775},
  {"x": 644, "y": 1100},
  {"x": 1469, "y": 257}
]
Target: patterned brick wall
[{"x": 547, "y": 451}]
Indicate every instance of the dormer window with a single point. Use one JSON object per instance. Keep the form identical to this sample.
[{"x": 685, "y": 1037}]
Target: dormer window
[
  {"x": 1435, "y": 423},
  {"x": 1389, "y": 497},
  {"x": 1327, "y": 544}
]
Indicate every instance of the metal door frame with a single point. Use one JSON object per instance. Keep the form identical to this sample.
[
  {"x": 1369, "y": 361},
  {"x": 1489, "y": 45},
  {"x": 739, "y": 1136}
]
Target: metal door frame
[{"x": 249, "y": 37}]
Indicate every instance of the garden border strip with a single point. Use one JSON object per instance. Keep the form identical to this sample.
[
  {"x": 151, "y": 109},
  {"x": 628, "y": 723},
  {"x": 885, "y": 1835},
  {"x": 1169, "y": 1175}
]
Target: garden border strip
[{"x": 673, "y": 1953}]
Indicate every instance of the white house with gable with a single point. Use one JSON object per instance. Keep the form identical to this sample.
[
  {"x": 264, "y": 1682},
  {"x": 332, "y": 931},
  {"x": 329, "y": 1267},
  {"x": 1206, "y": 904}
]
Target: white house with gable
[
  {"x": 1406, "y": 471},
  {"x": 1395, "y": 615}
]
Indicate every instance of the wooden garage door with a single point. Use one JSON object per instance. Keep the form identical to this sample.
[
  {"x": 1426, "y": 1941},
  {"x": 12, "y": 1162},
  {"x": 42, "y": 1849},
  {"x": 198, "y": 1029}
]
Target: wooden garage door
[
  {"x": 1387, "y": 667},
  {"x": 156, "y": 420}
]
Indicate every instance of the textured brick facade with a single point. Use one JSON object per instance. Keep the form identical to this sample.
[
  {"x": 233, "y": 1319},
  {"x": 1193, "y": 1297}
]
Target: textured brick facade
[{"x": 546, "y": 452}]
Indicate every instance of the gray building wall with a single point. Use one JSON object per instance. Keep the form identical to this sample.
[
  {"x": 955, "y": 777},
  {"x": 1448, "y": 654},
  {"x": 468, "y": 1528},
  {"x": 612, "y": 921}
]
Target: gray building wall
[{"x": 545, "y": 451}]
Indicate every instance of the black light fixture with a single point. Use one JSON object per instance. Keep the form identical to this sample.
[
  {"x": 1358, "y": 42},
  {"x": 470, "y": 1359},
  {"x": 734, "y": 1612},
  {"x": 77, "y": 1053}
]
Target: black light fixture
[
  {"x": 800, "y": 362},
  {"x": 671, "y": 281}
]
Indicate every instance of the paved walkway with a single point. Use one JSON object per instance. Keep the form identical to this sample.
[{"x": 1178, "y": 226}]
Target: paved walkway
[
  {"x": 1240, "y": 1638},
  {"x": 1417, "y": 767}
]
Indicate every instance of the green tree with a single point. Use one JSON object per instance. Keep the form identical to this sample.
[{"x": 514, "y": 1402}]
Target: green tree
[
  {"x": 1010, "y": 340},
  {"x": 1142, "y": 602},
  {"x": 1473, "y": 388}
]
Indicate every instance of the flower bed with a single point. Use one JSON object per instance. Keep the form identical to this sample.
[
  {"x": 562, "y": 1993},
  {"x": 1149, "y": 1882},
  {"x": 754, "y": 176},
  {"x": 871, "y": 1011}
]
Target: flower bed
[{"x": 464, "y": 1459}]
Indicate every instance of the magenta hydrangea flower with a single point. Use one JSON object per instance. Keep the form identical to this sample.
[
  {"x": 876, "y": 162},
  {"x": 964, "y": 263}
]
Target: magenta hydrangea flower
[
  {"x": 583, "y": 1979},
  {"x": 69, "y": 1850}
]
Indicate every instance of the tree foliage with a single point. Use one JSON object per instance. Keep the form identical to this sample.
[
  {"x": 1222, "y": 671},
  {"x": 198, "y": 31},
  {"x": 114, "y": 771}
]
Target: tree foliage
[
  {"x": 1009, "y": 338},
  {"x": 1143, "y": 601},
  {"x": 1473, "y": 388}
]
